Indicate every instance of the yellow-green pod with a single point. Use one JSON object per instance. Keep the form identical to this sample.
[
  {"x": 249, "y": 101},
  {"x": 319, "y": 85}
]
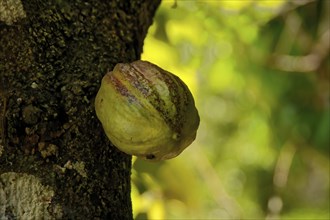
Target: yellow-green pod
[{"x": 146, "y": 111}]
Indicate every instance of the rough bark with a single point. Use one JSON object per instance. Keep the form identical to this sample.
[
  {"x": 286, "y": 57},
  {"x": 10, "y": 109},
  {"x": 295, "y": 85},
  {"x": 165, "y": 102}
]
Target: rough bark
[{"x": 53, "y": 151}]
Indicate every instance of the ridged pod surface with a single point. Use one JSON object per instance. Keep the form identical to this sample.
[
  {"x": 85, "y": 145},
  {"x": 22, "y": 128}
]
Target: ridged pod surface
[{"x": 146, "y": 111}]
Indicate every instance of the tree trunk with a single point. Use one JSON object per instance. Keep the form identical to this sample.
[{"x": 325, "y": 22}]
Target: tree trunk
[{"x": 55, "y": 160}]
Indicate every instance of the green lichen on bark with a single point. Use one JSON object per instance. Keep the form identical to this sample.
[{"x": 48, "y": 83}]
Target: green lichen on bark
[
  {"x": 11, "y": 11},
  {"x": 51, "y": 65}
]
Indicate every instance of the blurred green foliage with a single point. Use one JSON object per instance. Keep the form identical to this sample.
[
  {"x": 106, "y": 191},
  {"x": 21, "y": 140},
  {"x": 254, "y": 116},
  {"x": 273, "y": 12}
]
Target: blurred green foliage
[{"x": 259, "y": 72}]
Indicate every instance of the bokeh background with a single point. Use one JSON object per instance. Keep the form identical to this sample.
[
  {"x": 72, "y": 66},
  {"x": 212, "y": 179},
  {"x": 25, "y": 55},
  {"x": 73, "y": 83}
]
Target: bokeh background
[{"x": 259, "y": 72}]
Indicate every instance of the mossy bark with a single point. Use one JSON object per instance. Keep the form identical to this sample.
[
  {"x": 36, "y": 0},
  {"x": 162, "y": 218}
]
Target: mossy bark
[{"x": 53, "y": 55}]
